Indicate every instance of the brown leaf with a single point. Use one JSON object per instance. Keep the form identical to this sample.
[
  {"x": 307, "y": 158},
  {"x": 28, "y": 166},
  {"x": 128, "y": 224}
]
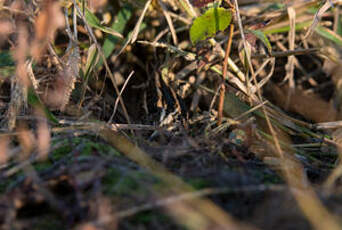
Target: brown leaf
[
  {"x": 6, "y": 28},
  {"x": 96, "y": 5},
  {"x": 4, "y": 154},
  {"x": 49, "y": 19},
  {"x": 312, "y": 107}
]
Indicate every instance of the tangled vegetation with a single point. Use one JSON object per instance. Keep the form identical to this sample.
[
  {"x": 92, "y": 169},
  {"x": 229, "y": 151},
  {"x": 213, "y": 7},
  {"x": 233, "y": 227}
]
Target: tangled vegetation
[{"x": 170, "y": 114}]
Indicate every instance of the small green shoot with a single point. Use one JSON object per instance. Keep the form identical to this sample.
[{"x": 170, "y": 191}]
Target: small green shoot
[
  {"x": 34, "y": 101},
  {"x": 263, "y": 38},
  {"x": 95, "y": 22}
]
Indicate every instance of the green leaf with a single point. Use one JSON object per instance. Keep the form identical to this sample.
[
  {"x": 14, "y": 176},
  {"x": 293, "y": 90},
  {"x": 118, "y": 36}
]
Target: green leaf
[
  {"x": 262, "y": 37},
  {"x": 34, "y": 101},
  {"x": 91, "y": 61},
  {"x": 329, "y": 34},
  {"x": 118, "y": 25},
  {"x": 339, "y": 25},
  {"x": 95, "y": 22},
  {"x": 6, "y": 59},
  {"x": 207, "y": 25},
  {"x": 7, "y": 65}
]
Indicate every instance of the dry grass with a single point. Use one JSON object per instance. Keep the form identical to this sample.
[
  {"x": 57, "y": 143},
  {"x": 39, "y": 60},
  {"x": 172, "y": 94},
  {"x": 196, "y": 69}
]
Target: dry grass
[{"x": 112, "y": 119}]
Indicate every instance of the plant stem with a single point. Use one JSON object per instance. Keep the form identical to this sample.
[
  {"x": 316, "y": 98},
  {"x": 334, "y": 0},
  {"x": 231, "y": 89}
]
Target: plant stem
[{"x": 225, "y": 65}]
